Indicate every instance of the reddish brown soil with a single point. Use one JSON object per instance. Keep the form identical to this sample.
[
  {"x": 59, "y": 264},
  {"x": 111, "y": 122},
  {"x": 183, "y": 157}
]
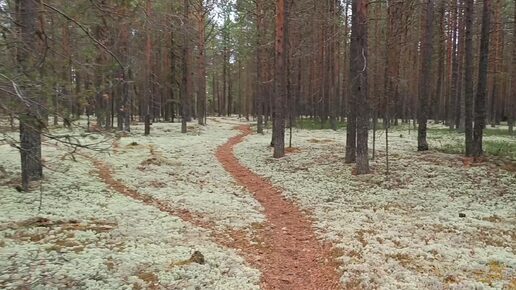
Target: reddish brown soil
[
  {"x": 284, "y": 247},
  {"x": 106, "y": 175},
  {"x": 288, "y": 253}
]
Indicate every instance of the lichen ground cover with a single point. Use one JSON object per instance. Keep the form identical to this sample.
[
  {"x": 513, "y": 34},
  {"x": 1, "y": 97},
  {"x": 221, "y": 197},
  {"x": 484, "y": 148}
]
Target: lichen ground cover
[
  {"x": 402, "y": 231},
  {"x": 87, "y": 236},
  {"x": 436, "y": 222}
]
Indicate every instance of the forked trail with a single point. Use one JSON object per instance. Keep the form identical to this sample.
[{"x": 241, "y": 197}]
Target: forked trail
[
  {"x": 289, "y": 255},
  {"x": 284, "y": 248}
]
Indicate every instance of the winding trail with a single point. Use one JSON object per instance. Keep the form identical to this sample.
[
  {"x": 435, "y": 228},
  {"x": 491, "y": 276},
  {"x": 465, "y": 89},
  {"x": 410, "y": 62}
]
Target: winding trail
[
  {"x": 284, "y": 248},
  {"x": 288, "y": 252}
]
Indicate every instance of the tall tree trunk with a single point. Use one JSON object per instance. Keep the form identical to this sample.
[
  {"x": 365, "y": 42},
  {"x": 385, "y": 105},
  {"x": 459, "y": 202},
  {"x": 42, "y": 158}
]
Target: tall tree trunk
[
  {"x": 426, "y": 70},
  {"x": 148, "y": 72},
  {"x": 31, "y": 123},
  {"x": 512, "y": 91},
  {"x": 460, "y": 110},
  {"x": 259, "y": 74},
  {"x": 280, "y": 80},
  {"x": 187, "y": 79},
  {"x": 201, "y": 90},
  {"x": 480, "y": 101},
  {"x": 452, "y": 96},
  {"x": 359, "y": 82},
  {"x": 468, "y": 77},
  {"x": 351, "y": 131},
  {"x": 392, "y": 67},
  {"x": 438, "y": 103},
  {"x": 173, "y": 78},
  {"x": 333, "y": 61},
  {"x": 498, "y": 52},
  {"x": 124, "y": 122}
]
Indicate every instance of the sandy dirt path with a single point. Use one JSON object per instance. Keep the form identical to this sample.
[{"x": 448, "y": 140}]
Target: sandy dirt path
[{"x": 287, "y": 250}]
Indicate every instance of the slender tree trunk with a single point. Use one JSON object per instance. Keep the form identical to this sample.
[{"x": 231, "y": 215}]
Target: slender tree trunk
[
  {"x": 438, "y": 103},
  {"x": 359, "y": 83},
  {"x": 355, "y": 51},
  {"x": 452, "y": 97},
  {"x": 173, "y": 78},
  {"x": 480, "y": 101},
  {"x": 124, "y": 108},
  {"x": 497, "y": 47},
  {"x": 259, "y": 74},
  {"x": 426, "y": 70},
  {"x": 280, "y": 80},
  {"x": 512, "y": 91},
  {"x": 187, "y": 80},
  {"x": 333, "y": 61},
  {"x": 201, "y": 91},
  {"x": 460, "y": 110},
  {"x": 148, "y": 72},
  {"x": 468, "y": 76}
]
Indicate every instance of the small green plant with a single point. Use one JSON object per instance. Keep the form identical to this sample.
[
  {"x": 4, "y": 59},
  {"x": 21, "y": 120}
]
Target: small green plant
[
  {"x": 456, "y": 147},
  {"x": 488, "y": 132},
  {"x": 501, "y": 148}
]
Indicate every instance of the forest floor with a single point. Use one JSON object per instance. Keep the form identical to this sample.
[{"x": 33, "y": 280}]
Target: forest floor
[{"x": 213, "y": 210}]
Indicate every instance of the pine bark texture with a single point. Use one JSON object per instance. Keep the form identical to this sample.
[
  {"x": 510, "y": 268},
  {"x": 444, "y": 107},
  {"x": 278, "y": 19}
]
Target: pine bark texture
[
  {"x": 512, "y": 91},
  {"x": 280, "y": 81},
  {"x": 187, "y": 79},
  {"x": 468, "y": 77},
  {"x": 425, "y": 77},
  {"x": 359, "y": 90},
  {"x": 31, "y": 122},
  {"x": 480, "y": 101},
  {"x": 201, "y": 90}
]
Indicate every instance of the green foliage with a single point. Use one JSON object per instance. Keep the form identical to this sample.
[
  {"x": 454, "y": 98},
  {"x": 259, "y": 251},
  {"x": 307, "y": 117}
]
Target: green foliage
[
  {"x": 488, "y": 132},
  {"x": 455, "y": 147},
  {"x": 493, "y": 148},
  {"x": 452, "y": 142},
  {"x": 501, "y": 148}
]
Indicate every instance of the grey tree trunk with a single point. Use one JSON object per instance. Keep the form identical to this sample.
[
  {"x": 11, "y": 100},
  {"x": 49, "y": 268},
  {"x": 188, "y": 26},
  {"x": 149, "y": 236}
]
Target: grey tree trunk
[
  {"x": 351, "y": 126},
  {"x": 201, "y": 92},
  {"x": 426, "y": 70},
  {"x": 512, "y": 92},
  {"x": 280, "y": 80},
  {"x": 148, "y": 91},
  {"x": 359, "y": 82},
  {"x": 187, "y": 80},
  {"x": 452, "y": 100},
  {"x": 31, "y": 123},
  {"x": 468, "y": 77},
  {"x": 259, "y": 75},
  {"x": 480, "y": 101},
  {"x": 30, "y": 148}
]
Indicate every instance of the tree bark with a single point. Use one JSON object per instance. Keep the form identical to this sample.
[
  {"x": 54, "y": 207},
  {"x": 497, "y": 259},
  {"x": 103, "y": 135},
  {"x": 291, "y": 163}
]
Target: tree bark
[
  {"x": 452, "y": 97},
  {"x": 31, "y": 123},
  {"x": 468, "y": 76},
  {"x": 201, "y": 91},
  {"x": 351, "y": 130},
  {"x": 512, "y": 91},
  {"x": 426, "y": 70},
  {"x": 259, "y": 74},
  {"x": 480, "y": 101},
  {"x": 187, "y": 79},
  {"x": 359, "y": 84},
  {"x": 148, "y": 73},
  {"x": 280, "y": 81}
]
